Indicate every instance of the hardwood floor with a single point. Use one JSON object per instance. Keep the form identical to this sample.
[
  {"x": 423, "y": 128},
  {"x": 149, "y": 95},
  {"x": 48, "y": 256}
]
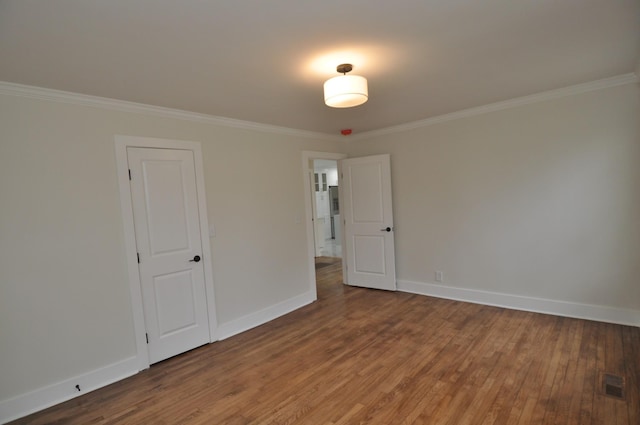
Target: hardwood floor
[{"x": 360, "y": 356}]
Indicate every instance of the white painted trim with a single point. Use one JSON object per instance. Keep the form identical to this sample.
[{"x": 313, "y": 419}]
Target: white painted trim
[
  {"x": 507, "y": 104},
  {"x": 135, "y": 289},
  {"x": 41, "y": 93},
  {"x": 343, "y": 238},
  {"x": 244, "y": 323},
  {"x": 598, "y": 313},
  {"x": 25, "y": 404},
  {"x": 121, "y": 145},
  {"x": 308, "y": 209},
  {"x": 20, "y": 90}
]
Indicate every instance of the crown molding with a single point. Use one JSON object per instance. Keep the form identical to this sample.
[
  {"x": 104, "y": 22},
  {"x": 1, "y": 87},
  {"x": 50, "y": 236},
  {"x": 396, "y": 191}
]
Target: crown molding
[
  {"x": 498, "y": 106},
  {"x": 21, "y": 90}
]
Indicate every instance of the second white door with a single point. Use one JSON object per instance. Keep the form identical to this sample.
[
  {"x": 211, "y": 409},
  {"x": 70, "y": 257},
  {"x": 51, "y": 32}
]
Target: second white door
[
  {"x": 167, "y": 227},
  {"x": 368, "y": 216}
]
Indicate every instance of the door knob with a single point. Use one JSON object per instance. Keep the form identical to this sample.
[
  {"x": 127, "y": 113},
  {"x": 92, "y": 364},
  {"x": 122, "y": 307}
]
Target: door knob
[
  {"x": 386, "y": 229},
  {"x": 196, "y": 259}
]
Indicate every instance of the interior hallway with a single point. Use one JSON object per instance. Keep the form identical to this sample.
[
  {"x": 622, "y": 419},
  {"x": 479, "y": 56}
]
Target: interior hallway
[{"x": 331, "y": 248}]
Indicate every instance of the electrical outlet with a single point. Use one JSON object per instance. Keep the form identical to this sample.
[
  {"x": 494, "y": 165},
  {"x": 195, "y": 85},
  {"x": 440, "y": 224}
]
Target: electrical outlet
[{"x": 439, "y": 276}]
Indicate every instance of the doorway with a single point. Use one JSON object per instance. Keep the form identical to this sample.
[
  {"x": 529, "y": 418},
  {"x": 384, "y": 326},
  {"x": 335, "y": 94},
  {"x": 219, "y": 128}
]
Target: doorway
[
  {"x": 169, "y": 314},
  {"x": 323, "y": 219},
  {"x": 327, "y": 228},
  {"x": 366, "y": 207}
]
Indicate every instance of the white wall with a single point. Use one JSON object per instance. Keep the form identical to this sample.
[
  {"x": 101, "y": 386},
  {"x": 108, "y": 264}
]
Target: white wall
[
  {"x": 64, "y": 295},
  {"x": 541, "y": 200}
]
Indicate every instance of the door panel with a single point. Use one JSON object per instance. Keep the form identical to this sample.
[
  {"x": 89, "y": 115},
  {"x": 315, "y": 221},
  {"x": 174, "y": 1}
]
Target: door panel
[
  {"x": 165, "y": 206},
  {"x": 369, "y": 245},
  {"x": 167, "y": 227},
  {"x": 369, "y": 254},
  {"x": 175, "y": 301},
  {"x": 366, "y": 193}
]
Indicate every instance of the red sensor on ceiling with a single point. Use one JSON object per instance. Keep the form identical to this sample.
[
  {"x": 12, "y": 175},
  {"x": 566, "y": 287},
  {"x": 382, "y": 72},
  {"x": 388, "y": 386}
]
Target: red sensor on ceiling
[{"x": 346, "y": 131}]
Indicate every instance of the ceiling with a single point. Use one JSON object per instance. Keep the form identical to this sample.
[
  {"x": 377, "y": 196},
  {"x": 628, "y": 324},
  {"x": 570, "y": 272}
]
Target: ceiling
[{"x": 266, "y": 61}]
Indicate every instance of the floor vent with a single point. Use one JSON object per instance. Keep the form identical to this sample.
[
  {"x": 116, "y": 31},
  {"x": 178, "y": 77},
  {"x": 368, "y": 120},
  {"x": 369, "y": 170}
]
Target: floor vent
[{"x": 613, "y": 386}]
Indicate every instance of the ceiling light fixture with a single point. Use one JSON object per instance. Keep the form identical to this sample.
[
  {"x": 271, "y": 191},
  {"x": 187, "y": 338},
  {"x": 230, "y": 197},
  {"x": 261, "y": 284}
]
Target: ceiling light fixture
[{"x": 345, "y": 90}]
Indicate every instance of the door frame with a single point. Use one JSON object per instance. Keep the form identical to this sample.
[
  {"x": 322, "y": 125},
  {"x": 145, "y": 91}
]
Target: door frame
[
  {"x": 121, "y": 145},
  {"x": 311, "y": 246}
]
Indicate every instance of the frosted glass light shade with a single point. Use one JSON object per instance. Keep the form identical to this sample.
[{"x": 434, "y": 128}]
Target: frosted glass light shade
[{"x": 346, "y": 91}]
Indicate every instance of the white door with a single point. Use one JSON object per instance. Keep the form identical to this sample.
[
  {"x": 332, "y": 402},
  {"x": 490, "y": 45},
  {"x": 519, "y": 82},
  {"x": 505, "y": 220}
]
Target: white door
[
  {"x": 369, "y": 247},
  {"x": 167, "y": 228}
]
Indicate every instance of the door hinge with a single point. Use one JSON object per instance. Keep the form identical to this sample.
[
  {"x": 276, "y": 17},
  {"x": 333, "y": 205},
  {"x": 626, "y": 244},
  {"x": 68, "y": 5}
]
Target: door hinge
[
  {"x": 129, "y": 173},
  {"x": 147, "y": 336},
  {"x": 138, "y": 254}
]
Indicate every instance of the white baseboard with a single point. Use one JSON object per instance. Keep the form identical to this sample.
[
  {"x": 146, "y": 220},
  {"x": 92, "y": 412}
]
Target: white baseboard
[
  {"x": 515, "y": 302},
  {"x": 42, "y": 398},
  {"x": 244, "y": 323},
  {"x": 50, "y": 395}
]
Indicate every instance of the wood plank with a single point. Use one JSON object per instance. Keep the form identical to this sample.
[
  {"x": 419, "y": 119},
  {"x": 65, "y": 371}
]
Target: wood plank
[{"x": 365, "y": 356}]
